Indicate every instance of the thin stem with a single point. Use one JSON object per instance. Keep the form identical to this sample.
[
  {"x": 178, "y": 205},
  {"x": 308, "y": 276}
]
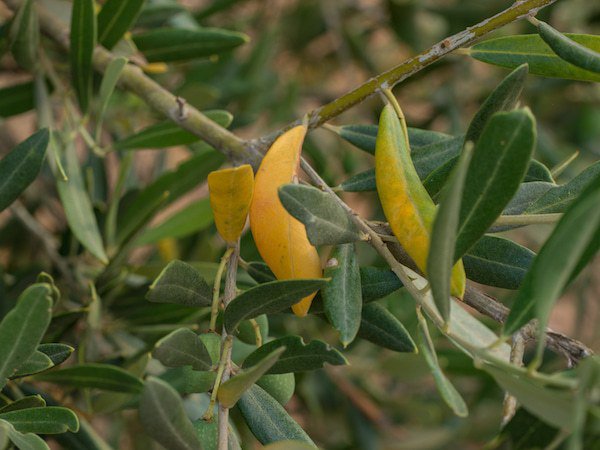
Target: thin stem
[
  {"x": 528, "y": 219},
  {"x": 226, "y": 347},
  {"x": 257, "y": 334},
  {"x": 214, "y": 311},
  {"x": 516, "y": 357},
  {"x": 561, "y": 166}
]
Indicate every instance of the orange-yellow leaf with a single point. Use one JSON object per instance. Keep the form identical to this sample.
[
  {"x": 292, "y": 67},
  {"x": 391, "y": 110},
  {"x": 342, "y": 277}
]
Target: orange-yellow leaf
[
  {"x": 230, "y": 197},
  {"x": 281, "y": 239},
  {"x": 406, "y": 204}
]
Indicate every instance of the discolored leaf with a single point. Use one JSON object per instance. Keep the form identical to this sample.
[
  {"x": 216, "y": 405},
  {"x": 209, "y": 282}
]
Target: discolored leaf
[
  {"x": 383, "y": 329},
  {"x": 44, "y": 420},
  {"x": 115, "y": 18},
  {"x": 92, "y": 375},
  {"x": 297, "y": 356},
  {"x": 82, "y": 43},
  {"x": 181, "y": 284},
  {"x": 182, "y": 347},
  {"x": 326, "y": 222},
  {"x": 268, "y": 298},
  {"x": 21, "y": 166}
]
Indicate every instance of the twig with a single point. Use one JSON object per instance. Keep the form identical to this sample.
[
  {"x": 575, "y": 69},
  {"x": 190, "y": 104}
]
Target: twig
[{"x": 516, "y": 357}]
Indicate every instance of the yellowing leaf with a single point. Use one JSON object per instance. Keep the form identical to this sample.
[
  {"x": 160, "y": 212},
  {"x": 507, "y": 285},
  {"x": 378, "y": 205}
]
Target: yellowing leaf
[
  {"x": 406, "y": 204},
  {"x": 230, "y": 197},
  {"x": 281, "y": 239}
]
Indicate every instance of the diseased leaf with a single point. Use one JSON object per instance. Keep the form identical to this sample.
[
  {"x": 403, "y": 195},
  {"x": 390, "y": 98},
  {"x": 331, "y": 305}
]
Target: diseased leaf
[
  {"x": 179, "y": 44},
  {"x": 500, "y": 160},
  {"x": 163, "y": 417},
  {"x": 570, "y": 50},
  {"x": 267, "y": 419},
  {"x": 82, "y": 43},
  {"x": 326, "y": 222},
  {"x": 92, "y": 375},
  {"x": 22, "y": 329},
  {"x": 298, "y": 356},
  {"x": 182, "y": 347},
  {"x": 268, "y": 298},
  {"x": 181, "y": 284},
  {"x": 45, "y": 420},
  {"x": 231, "y": 391},
  {"x": 499, "y": 262},
  {"x": 512, "y": 51},
  {"x": 21, "y": 166},
  {"x": 342, "y": 295},
  {"x": 115, "y": 18},
  {"x": 448, "y": 392},
  {"x": 382, "y": 328}
]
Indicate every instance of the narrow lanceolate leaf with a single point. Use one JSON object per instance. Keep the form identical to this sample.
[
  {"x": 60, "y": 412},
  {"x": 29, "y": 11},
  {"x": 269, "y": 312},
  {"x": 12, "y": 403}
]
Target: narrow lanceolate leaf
[
  {"x": 78, "y": 207},
  {"x": 570, "y": 50},
  {"x": 24, "y": 35},
  {"x": 115, "y": 18},
  {"x": 557, "y": 199},
  {"x": 576, "y": 233},
  {"x": 497, "y": 167},
  {"x": 169, "y": 134},
  {"x": 83, "y": 41},
  {"x": 231, "y": 391},
  {"x": 31, "y": 401},
  {"x": 163, "y": 417},
  {"x": 443, "y": 235},
  {"x": 58, "y": 353},
  {"x": 21, "y": 166},
  {"x": 377, "y": 283},
  {"x": 268, "y": 420},
  {"x": 504, "y": 97},
  {"x": 37, "y": 362},
  {"x": 383, "y": 329},
  {"x": 181, "y": 284},
  {"x": 230, "y": 196},
  {"x": 16, "y": 99},
  {"x": 538, "y": 172},
  {"x": 499, "y": 262},
  {"x": 512, "y": 51},
  {"x": 182, "y": 347},
  {"x": 107, "y": 87},
  {"x": 179, "y": 44},
  {"x": 326, "y": 221},
  {"x": 23, "y": 327},
  {"x": 268, "y": 298},
  {"x": 342, "y": 295},
  {"x": 260, "y": 272},
  {"x": 448, "y": 392},
  {"x": 192, "y": 219},
  {"x": 23, "y": 441},
  {"x": 99, "y": 376},
  {"x": 46, "y": 420},
  {"x": 298, "y": 356}
]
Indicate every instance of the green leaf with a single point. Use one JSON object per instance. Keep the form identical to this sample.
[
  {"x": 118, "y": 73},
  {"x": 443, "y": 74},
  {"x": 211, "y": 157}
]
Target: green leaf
[
  {"x": 557, "y": 199},
  {"x": 448, "y": 392},
  {"x": 499, "y": 262},
  {"x": 260, "y": 272},
  {"x": 525, "y": 432},
  {"x": 193, "y": 218},
  {"x": 361, "y": 182},
  {"x": 21, "y": 166},
  {"x": 377, "y": 283},
  {"x": 92, "y": 375},
  {"x": 288, "y": 445},
  {"x": 568, "y": 49},
  {"x": 58, "y": 353},
  {"x": 576, "y": 233},
  {"x": 157, "y": 14},
  {"x": 182, "y": 347},
  {"x": 37, "y": 362},
  {"x": 326, "y": 221},
  {"x": 163, "y": 417},
  {"x": 27, "y": 441},
  {"x": 512, "y": 51},
  {"x": 169, "y": 134},
  {"x": 16, "y": 99},
  {"x": 107, "y": 87},
  {"x": 525, "y": 196},
  {"x": 46, "y": 420},
  {"x": 32, "y": 401},
  {"x": 298, "y": 356},
  {"x": 83, "y": 41},
  {"x": 268, "y": 298},
  {"x": 23, "y": 327},
  {"x": 504, "y": 98},
  {"x": 382, "y": 328},
  {"x": 176, "y": 183},
  {"x": 179, "y": 44},
  {"x": 231, "y": 391},
  {"x": 115, "y": 18},
  {"x": 78, "y": 207},
  {"x": 342, "y": 295},
  {"x": 181, "y": 284},
  {"x": 268, "y": 420},
  {"x": 538, "y": 172},
  {"x": 24, "y": 36},
  {"x": 498, "y": 165},
  {"x": 440, "y": 260}
]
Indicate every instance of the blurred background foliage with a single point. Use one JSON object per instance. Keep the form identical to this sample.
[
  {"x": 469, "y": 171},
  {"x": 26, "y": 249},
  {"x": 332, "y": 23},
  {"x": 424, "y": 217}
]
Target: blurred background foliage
[{"x": 302, "y": 54}]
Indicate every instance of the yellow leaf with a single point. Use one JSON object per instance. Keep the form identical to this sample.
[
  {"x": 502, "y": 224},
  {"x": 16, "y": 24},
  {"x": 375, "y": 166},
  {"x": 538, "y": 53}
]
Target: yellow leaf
[
  {"x": 230, "y": 197},
  {"x": 406, "y": 204},
  {"x": 281, "y": 239}
]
